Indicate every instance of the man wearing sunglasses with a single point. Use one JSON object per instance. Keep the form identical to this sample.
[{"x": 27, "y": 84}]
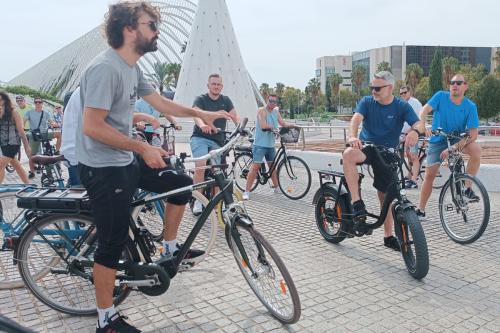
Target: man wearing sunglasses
[
  {"x": 383, "y": 117},
  {"x": 453, "y": 112},
  {"x": 411, "y": 152},
  {"x": 112, "y": 165}
]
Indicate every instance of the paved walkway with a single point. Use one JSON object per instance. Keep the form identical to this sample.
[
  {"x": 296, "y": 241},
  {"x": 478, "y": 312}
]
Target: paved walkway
[{"x": 357, "y": 286}]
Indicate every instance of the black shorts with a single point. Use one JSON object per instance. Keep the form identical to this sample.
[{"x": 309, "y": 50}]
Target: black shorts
[
  {"x": 111, "y": 190},
  {"x": 382, "y": 173},
  {"x": 10, "y": 150}
]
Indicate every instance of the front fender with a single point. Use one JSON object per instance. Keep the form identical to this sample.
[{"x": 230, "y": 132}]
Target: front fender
[{"x": 331, "y": 185}]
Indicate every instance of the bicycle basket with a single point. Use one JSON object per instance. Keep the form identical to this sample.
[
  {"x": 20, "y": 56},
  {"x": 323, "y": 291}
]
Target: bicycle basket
[{"x": 289, "y": 135}]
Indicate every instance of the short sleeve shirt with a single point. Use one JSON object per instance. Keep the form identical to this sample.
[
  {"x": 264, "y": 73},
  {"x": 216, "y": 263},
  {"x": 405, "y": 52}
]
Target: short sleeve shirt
[
  {"x": 450, "y": 116},
  {"x": 204, "y": 102},
  {"x": 382, "y": 124},
  {"x": 33, "y": 118},
  {"x": 109, "y": 83},
  {"x": 143, "y": 107}
]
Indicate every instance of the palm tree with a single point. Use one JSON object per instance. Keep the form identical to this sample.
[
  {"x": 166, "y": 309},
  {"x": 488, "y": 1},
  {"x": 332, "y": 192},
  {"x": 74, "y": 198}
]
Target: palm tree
[
  {"x": 174, "y": 69},
  {"x": 450, "y": 68},
  {"x": 161, "y": 76},
  {"x": 314, "y": 90},
  {"x": 279, "y": 90},
  {"x": 265, "y": 90},
  {"x": 335, "y": 81},
  {"x": 414, "y": 73},
  {"x": 358, "y": 76},
  {"x": 384, "y": 66}
]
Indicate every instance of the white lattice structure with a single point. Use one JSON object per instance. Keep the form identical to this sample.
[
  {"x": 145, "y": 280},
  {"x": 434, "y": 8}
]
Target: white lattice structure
[
  {"x": 61, "y": 71},
  {"x": 213, "y": 48}
]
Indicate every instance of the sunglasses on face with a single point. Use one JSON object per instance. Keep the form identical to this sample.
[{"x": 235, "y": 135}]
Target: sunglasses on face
[
  {"x": 458, "y": 83},
  {"x": 38, "y": 102},
  {"x": 403, "y": 93},
  {"x": 152, "y": 25},
  {"x": 273, "y": 101},
  {"x": 377, "y": 89}
]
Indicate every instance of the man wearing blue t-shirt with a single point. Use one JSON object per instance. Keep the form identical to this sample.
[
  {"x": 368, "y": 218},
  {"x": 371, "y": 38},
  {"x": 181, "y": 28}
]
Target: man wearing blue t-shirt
[
  {"x": 383, "y": 117},
  {"x": 453, "y": 112}
]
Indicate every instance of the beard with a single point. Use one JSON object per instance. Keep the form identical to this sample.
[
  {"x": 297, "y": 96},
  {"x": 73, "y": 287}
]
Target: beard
[{"x": 143, "y": 45}]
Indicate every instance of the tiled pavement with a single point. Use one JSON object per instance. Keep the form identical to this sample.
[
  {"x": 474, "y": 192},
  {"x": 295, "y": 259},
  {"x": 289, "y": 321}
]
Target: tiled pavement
[{"x": 358, "y": 285}]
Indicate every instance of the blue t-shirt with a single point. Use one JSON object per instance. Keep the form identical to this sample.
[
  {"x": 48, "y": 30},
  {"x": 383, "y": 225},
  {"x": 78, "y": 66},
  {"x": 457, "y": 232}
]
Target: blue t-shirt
[
  {"x": 450, "y": 116},
  {"x": 142, "y": 106},
  {"x": 382, "y": 124}
]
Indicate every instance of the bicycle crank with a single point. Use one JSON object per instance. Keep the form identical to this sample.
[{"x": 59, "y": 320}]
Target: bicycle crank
[{"x": 150, "y": 279}]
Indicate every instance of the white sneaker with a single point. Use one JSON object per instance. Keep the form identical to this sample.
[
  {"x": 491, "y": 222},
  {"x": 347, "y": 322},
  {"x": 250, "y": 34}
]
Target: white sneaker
[
  {"x": 277, "y": 190},
  {"x": 197, "y": 208},
  {"x": 246, "y": 195}
]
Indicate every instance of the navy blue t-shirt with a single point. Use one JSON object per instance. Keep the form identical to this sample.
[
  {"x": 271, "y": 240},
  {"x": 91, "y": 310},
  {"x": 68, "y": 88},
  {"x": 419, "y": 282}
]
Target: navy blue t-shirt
[{"x": 382, "y": 124}]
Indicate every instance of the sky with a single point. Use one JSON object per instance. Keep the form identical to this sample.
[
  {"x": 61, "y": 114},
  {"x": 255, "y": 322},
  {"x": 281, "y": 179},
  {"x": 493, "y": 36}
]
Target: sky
[{"x": 279, "y": 40}]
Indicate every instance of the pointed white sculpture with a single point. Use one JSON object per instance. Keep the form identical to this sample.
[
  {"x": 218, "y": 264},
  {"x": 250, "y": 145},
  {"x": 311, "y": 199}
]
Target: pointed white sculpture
[{"x": 213, "y": 48}]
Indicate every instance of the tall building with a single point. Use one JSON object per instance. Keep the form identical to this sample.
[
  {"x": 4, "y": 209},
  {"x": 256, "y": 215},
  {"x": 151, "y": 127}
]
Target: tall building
[
  {"x": 327, "y": 66},
  {"x": 399, "y": 56}
]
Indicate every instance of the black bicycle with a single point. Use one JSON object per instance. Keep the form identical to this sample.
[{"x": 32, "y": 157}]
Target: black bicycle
[
  {"x": 61, "y": 240},
  {"x": 294, "y": 176},
  {"x": 464, "y": 203},
  {"x": 335, "y": 219}
]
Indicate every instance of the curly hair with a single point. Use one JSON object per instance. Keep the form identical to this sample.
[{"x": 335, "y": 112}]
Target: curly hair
[
  {"x": 126, "y": 14},
  {"x": 7, "y": 105}
]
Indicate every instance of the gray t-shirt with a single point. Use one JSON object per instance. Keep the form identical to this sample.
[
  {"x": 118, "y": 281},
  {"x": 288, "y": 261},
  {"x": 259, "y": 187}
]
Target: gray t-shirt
[
  {"x": 33, "y": 118},
  {"x": 109, "y": 83}
]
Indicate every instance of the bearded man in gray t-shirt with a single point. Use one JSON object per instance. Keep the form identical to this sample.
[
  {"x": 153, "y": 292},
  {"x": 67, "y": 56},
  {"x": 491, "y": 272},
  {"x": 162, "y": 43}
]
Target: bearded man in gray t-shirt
[{"x": 111, "y": 164}]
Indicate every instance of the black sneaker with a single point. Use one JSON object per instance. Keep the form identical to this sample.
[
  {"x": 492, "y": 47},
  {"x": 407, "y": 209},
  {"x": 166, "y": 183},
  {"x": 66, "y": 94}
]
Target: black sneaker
[
  {"x": 392, "y": 243},
  {"x": 191, "y": 253},
  {"x": 359, "y": 210},
  {"x": 31, "y": 175},
  {"x": 469, "y": 193},
  {"x": 420, "y": 215},
  {"x": 117, "y": 324},
  {"x": 411, "y": 184}
]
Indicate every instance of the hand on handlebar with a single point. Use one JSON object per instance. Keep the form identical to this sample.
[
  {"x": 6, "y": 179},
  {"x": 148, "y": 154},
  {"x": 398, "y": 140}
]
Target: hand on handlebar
[
  {"x": 153, "y": 156},
  {"x": 209, "y": 118},
  {"x": 355, "y": 143},
  {"x": 177, "y": 127}
]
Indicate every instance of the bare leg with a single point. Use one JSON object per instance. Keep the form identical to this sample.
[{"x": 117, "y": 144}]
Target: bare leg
[
  {"x": 104, "y": 282},
  {"x": 3, "y": 163},
  {"x": 57, "y": 135},
  {"x": 474, "y": 151},
  {"x": 199, "y": 173},
  {"x": 20, "y": 170},
  {"x": 251, "y": 176},
  {"x": 171, "y": 221},
  {"x": 389, "y": 220},
  {"x": 415, "y": 166},
  {"x": 426, "y": 190},
  {"x": 351, "y": 157},
  {"x": 274, "y": 176}
]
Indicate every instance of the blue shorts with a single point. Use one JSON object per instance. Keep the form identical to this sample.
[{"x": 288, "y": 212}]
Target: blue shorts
[
  {"x": 201, "y": 146},
  {"x": 435, "y": 149},
  {"x": 260, "y": 152}
]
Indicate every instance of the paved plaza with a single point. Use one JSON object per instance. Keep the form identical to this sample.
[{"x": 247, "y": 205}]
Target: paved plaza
[{"x": 357, "y": 286}]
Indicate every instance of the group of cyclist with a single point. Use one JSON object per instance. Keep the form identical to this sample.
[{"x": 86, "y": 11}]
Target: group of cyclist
[
  {"x": 111, "y": 165},
  {"x": 383, "y": 117}
]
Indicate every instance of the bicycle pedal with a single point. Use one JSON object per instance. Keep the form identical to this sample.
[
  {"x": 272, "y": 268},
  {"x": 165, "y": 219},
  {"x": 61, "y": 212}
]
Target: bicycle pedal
[{"x": 184, "y": 266}]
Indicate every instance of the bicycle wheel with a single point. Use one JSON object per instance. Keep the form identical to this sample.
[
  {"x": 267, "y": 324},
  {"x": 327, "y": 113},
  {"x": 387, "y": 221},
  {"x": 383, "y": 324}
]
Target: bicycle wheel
[
  {"x": 441, "y": 177},
  {"x": 294, "y": 177},
  {"x": 241, "y": 168},
  {"x": 265, "y": 273},
  {"x": 464, "y": 219},
  {"x": 11, "y": 219},
  {"x": 329, "y": 216},
  {"x": 221, "y": 206},
  {"x": 413, "y": 244},
  {"x": 65, "y": 285}
]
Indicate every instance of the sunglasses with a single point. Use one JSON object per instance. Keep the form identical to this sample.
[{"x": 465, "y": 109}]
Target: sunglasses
[
  {"x": 38, "y": 102},
  {"x": 377, "y": 89},
  {"x": 152, "y": 25},
  {"x": 403, "y": 93},
  {"x": 273, "y": 101},
  {"x": 458, "y": 83}
]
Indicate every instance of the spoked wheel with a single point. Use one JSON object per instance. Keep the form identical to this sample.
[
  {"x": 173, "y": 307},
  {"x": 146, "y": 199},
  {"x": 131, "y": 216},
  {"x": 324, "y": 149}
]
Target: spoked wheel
[
  {"x": 294, "y": 177},
  {"x": 265, "y": 273},
  {"x": 241, "y": 168},
  {"x": 55, "y": 259},
  {"x": 413, "y": 244},
  {"x": 221, "y": 206},
  {"x": 464, "y": 215},
  {"x": 329, "y": 215},
  {"x": 12, "y": 223}
]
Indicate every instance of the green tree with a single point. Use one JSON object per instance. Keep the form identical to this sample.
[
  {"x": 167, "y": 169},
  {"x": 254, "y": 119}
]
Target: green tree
[
  {"x": 160, "y": 76},
  {"x": 173, "y": 70},
  {"x": 334, "y": 82},
  {"x": 279, "y": 89},
  {"x": 328, "y": 96},
  {"x": 473, "y": 75},
  {"x": 358, "y": 77},
  {"x": 291, "y": 100},
  {"x": 436, "y": 73},
  {"x": 414, "y": 73},
  {"x": 450, "y": 68},
  {"x": 488, "y": 97},
  {"x": 384, "y": 66},
  {"x": 422, "y": 91},
  {"x": 496, "y": 59},
  {"x": 265, "y": 90},
  {"x": 313, "y": 90},
  {"x": 348, "y": 99}
]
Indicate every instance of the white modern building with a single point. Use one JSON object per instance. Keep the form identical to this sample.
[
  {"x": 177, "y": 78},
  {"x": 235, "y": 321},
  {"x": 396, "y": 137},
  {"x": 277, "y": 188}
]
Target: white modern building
[{"x": 328, "y": 65}]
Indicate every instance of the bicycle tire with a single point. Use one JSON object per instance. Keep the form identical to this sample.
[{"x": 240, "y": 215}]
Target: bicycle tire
[
  {"x": 50, "y": 288},
  {"x": 219, "y": 208},
  {"x": 293, "y": 169},
  {"x": 458, "y": 213},
  {"x": 9, "y": 213},
  {"x": 441, "y": 177},
  {"x": 413, "y": 244},
  {"x": 241, "y": 169},
  {"x": 265, "y": 277},
  {"x": 329, "y": 217}
]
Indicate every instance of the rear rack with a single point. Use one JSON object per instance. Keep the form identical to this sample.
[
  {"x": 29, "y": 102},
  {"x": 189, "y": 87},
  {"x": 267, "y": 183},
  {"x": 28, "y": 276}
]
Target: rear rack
[{"x": 71, "y": 200}]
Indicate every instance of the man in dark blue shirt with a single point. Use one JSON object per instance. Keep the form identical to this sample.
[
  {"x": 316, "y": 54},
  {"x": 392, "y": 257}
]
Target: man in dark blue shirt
[{"x": 383, "y": 117}]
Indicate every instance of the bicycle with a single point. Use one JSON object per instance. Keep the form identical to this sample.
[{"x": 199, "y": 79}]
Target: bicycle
[
  {"x": 65, "y": 230},
  {"x": 464, "y": 219},
  {"x": 49, "y": 175},
  {"x": 335, "y": 219},
  {"x": 292, "y": 170}
]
